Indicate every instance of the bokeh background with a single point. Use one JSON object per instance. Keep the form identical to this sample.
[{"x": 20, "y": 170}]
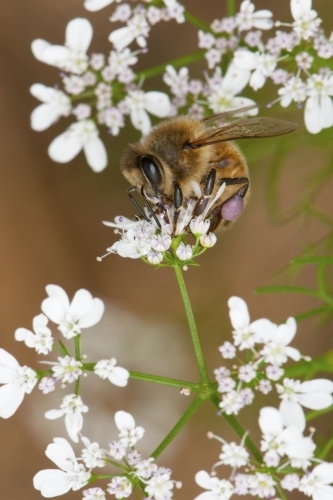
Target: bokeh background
[{"x": 51, "y": 232}]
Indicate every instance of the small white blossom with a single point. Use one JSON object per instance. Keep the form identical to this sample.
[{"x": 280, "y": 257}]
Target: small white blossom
[
  {"x": 72, "y": 408},
  {"x": 92, "y": 455},
  {"x": 117, "y": 449},
  {"x": 234, "y": 455},
  {"x": 80, "y": 135},
  {"x": 67, "y": 370},
  {"x": 184, "y": 252},
  {"x": 72, "y": 56},
  {"x": 42, "y": 340},
  {"x": 314, "y": 394},
  {"x": 145, "y": 468},
  {"x": 106, "y": 368},
  {"x": 139, "y": 103},
  {"x": 55, "y": 104},
  {"x": 120, "y": 486},
  {"x": 47, "y": 384},
  {"x": 232, "y": 402},
  {"x": 294, "y": 90},
  {"x": 217, "y": 489},
  {"x": 318, "y": 112},
  {"x": 306, "y": 22},
  {"x": 262, "y": 64},
  {"x": 17, "y": 381},
  {"x": 316, "y": 483},
  {"x": 228, "y": 350},
  {"x": 276, "y": 350},
  {"x": 264, "y": 386},
  {"x": 93, "y": 494},
  {"x": 137, "y": 29},
  {"x": 290, "y": 482},
  {"x": 71, "y": 476},
  {"x": 208, "y": 240},
  {"x": 154, "y": 257},
  {"x": 83, "y": 312},
  {"x": 74, "y": 84},
  {"x": 261, "y": 484},
  {"x": 129, "y": 434},
  {"x": 134, "y": 457},
  {"x": 159, "y": 486},
  {"x": 274, "y": 372},
  {"x": 246, "y": 373},
  {"x": 247, "y": 19}
]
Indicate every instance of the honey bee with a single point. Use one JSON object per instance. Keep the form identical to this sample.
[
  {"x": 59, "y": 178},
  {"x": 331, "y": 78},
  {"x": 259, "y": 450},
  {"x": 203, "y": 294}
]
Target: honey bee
[{"x": 181, "y": 154}]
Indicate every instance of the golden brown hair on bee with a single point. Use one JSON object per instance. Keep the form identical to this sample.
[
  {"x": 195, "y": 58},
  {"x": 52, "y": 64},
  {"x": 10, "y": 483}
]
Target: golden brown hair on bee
[{"x": 183, "y": 158}]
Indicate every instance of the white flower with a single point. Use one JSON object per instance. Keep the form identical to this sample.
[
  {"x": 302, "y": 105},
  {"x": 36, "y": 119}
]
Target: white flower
[
  {"x": 232, "y": 402},
  {"x": 227, "y": 350},
  {"x": 234, "y": 455},
  {"x": 72, "y": 476},
  {"x": 319, "y": 107},
  {"x": 261, "y": 485},
  {"x": 247, "y": 19},
  {"x": 314, "y": 394},
  {"x": 208, "y": 240},
  {"x": 55, "y": 104},
  {"x": 47, "y": 384},
  {"x": 120, "y": 486},
  {"x": 223, "y": 94},
  {"x": 184, "y": 252},
  {"x": 67, "y": 370},
  {"x": 72, "y": 57},
  {"x": 117, "y": 449},
  {"x": 218, "y": 489},
  {"x": 145, "y": 468},
  {"x": 106, "y": 368},
  {"x": 72, "y": 407},
  {"x": 246, "y": 334},
  {"x": 83, "y": 312},
  {"x": 92, "y": 455},
  {"x": 154, "y": 257},
  {"x": 93, "y": 494},
  {"x": 136, "y": 237},
  {"x": 306, "y": 22},
  {"x": 262, "y": 63},
  {"x": 290, "y": 482},
  {"x": 178, "y": 82},
  {"x": 18, "y": 381},
  {"x": 199, "y": 227},
  {"x": 129, "y": 434},
  {"x": 137, "y": 29},
  {"x": 139, "y": 102},
  {"x": 276, "y": 350},
  {"x": 246, "y": 373},
  {"x": 42, "y": 340},
  {"x": 293, "y": 90},
  {"x": 159, "y": 486},
  {"x": 315, "y": 483},
  {"x": 78, "y": 136},
  {"x": 94, "y": 5}
]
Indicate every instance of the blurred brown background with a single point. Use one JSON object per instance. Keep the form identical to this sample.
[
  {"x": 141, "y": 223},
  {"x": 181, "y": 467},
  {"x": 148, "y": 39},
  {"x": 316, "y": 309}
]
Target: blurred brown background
[{"x": 51, "y": 232}]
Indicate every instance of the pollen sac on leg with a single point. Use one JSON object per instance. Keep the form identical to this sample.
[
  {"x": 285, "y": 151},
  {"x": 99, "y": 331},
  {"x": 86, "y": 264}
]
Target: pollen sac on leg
[{"x": 232, "y": 208}]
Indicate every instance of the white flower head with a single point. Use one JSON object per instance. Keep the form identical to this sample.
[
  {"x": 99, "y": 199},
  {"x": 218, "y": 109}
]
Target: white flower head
[
  {"x": 72, "y": 408},
  {"x": 117, "y": 449},
  {"x": 248, "y": 19},
  {"x": 106, "y": 368},
  {"x": 41, "y": 340},
  {"x": 67, "y": 369},
  {"x": 83, "y": 312},
  {"x": 137, "y": 29},
  {"x": 17, "y": 381},
  {"x": 92, "y": 455},
  {"x": 141, "y": 103},
  {"x": 78, "y": 136},
  {"x": 314, "y": 394},
  {"x": 276, "y": 350},
  {"x": 318, "y": 113},
  {"x": 316, "y": 483},
  {"x": 129, "y": 434},
  {"x": 94, "y": 494},
  {"x": 306, "y": 22},
  {"x": 262, "y": 64},
  {"x": 120, "y": 486},
  {"x": 70, "y": 476},
  {"x": 217, "y": 489},
  {"x": 72, "y": 56},
  {"x": 55, "y": 104},
  {"x": 261, "y": 485}
]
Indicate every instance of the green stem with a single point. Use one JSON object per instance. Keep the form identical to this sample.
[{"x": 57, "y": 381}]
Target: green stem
[
  {"x": 179, "y": 425},
  {"x": 192, "y": 325},
  {"x": 239, "y": 430},
  {"x": 164, "y": 381},
  {"x": 195, "y": 21},
  {"x": 231, "y": 8},
  {"x": 327, "y": 448},
  {"x": 77, "y": 345}
]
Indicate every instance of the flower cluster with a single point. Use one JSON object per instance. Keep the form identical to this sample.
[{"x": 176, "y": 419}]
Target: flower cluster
[
  {"x": 134, "y": 474},
  {"x": 162, "y": 239},
  {"x": 71, "y": 317},
  {"x": 288, "y": 454},
  {"x": 101, "y": 90}
]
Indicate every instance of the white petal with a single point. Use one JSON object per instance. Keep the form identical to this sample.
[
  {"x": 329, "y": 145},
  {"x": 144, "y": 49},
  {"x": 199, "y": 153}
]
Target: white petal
[
  {"x": 324, "y": 472},
  {"x": 239, "y": 313},
  {"x": 94, "y": 5},
  {"x": 6, "y": 359},
  {"x": 93, "y": 316},
  {"x": 312, "y": 115},
  {"x": 270, "y": 421},
  {"x": 203, "y": 479},
  {"x": 22, "y": 334},
  {"x": 74, "y": 423},
  {"x": 42, "y": 92},
  {"x": 124, "y": 421},
  {"x": 326, "y": 107},
  {"x": 96, "y": 155},
  {"x": 241, "y": 102},
  {"x": 300, "y": 7},
  {"x": 37, "y": 47},
  {"x": 55, "y": 55},
  {"x": 59, "y": 293},
  {"x": 79, "y": 34},
  {"x": 52, "y": 482},
  {"x": 235, "y": 79},
  {"x": 292, "y": 415},
  {"x": 65, "y": 147},
  {"x": 53, "y": 309},
  {"x": 257, "y": 80},
  {"x": 11, "y": 396},
  {"x": 157, "y": 103},
  {"x": 140, "y": 120},
  {"x": 81, "y": 303},
  {"x": 54, "y": 414},
  {"x": 119, "y": 376},
  {"x": 61, "y": 453},
  {"x": 261, "y": 20},
  {"x": 317, "y": 385},
  {"x": 315, "y": 401},
  {"x": 39, "y": 321},
  {"x": 264, "y": 330},
  {"x": 244, "y": 59},
  {"x": 121, "y": 37},
  {"x": 43, "y": 117}
]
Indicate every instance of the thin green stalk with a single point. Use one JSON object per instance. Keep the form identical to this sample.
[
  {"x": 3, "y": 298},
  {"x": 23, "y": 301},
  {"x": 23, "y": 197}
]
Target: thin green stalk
[
  {"x": 195, "y": 21},
  {"x": 179, "y": 425},
  {"x": 231, "y": 8},
  {"x": 164, "y": 381},
  {"x": 77, "y": 345},
  {"x": 192, "y": 325},
  {"x": 327, "y": 448},
  {"x": 239, "y": 430}
]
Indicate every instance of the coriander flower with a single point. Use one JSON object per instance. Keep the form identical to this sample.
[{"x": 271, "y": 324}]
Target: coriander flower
[
  {"x": 319, "y": 106},
  {"x": 106, "y": 368},
  {"x": 72, "y": 56},
  {"x": 314, "y": 394},
  {"x": 78, "y": 136},
  {"x": 247, "y": 19},
  {"x": 83, "y": 312},
  {"x": 137, "y": 29},
  {"x": 276, "y": 349},
  {"x": 41, "y": 340},
  {"x": 129, "y": 434},
  {"x": 218, "y": 489},
  {"x": 316, "y": 483},
  {"x": 261, "y": 485},
  {"x": 17, "y": 381},
  {"x": 72, "y": 408},
  {"x": 120, "y": 486},
  {"x": 55, "y": 104},
  {"x": 159, "y": 486},
  {"x": 306, "y": 22},
  {"x": 92, "y": 455},
  {"x": 71, "y": 476},
  {"x": 139, "y": 102},
  {"x": 262, "y": 64},
  {"x": 94, "y": 494},
  {"x": 67, "y": 369}
]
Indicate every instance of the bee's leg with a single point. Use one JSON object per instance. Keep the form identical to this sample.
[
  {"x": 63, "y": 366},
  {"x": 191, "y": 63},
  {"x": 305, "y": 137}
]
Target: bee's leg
[
  {"x": 232, "y": 207},
  {"x": 135, "y": 203},
  {"x": 151, "y": 210},
  {"x": 207, "y": 191},
  {"x": 178, "y": 203}
]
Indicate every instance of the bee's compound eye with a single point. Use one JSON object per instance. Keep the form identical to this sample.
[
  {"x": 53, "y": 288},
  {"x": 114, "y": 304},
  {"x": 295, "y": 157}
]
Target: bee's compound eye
[
  {"x": 232, "y": 208},
  {"x": 151, "y": 170}
]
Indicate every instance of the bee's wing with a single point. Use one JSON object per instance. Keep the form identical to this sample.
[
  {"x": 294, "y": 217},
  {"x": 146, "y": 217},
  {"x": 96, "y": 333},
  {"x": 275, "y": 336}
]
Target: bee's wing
[
  {"x": 226, "y": 116},
  {"x": 243, "y": 129}
]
